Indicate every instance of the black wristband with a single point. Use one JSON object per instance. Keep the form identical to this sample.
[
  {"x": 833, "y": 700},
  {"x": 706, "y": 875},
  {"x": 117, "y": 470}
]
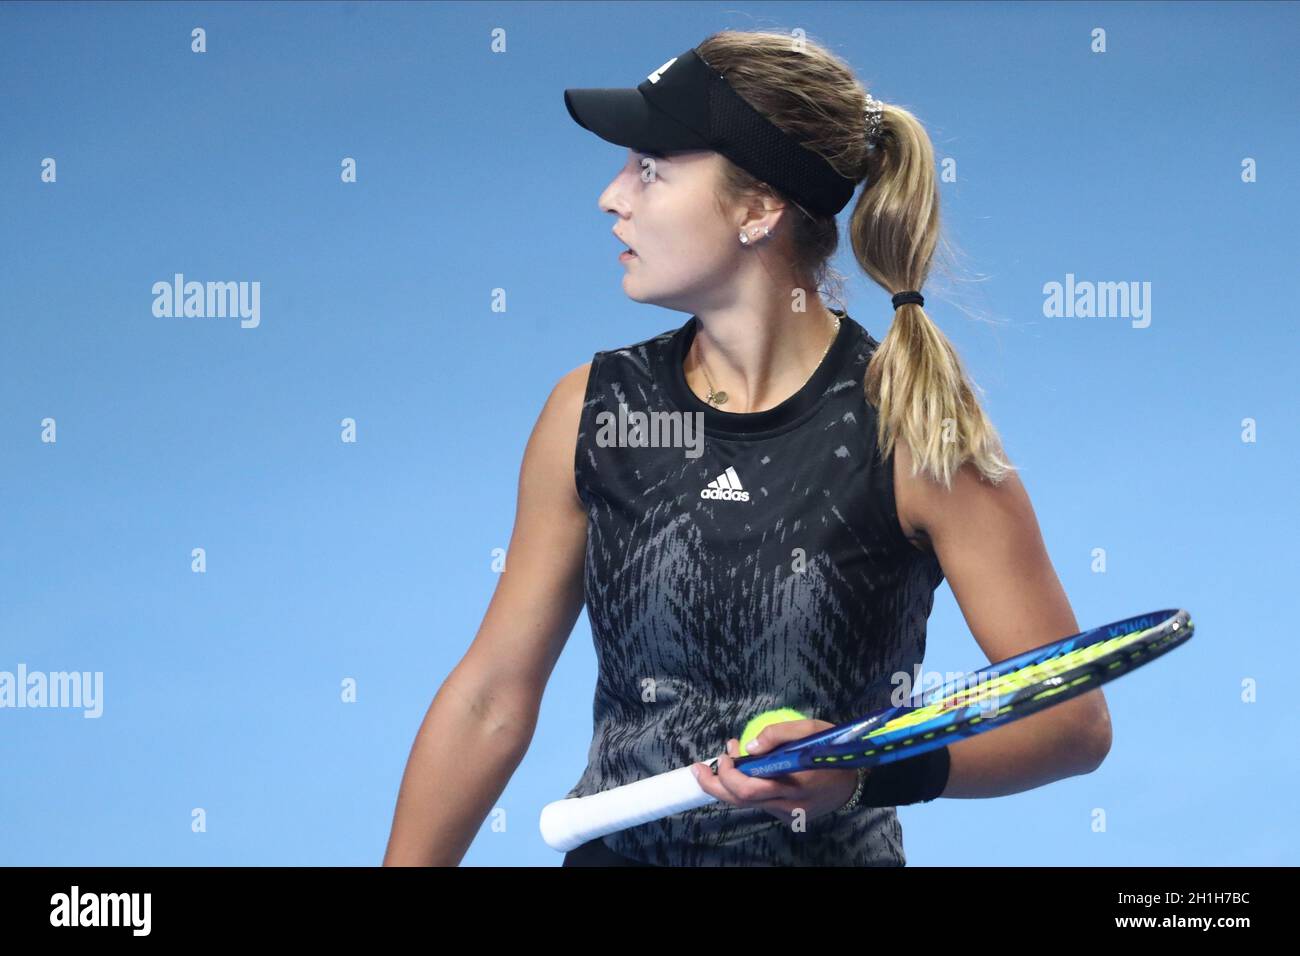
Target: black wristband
[{"x": 914, "y": 780}]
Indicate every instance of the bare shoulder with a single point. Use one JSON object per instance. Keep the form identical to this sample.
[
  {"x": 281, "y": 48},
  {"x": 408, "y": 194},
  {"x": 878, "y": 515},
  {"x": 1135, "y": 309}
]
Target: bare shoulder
[
  {"x": 567, "y": 397},
  {"x": 555, "y": 437},
  {"x": 926, "y": 508},
  {"x": 571, "y": 390}
]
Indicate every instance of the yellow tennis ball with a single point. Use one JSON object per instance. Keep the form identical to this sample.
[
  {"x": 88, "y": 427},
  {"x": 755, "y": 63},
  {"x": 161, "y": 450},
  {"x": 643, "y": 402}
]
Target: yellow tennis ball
[{"x": 768, "y": 717}]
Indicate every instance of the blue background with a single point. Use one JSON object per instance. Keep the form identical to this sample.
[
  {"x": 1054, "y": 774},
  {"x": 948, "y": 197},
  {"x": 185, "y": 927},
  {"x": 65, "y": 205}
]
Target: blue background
[{"x": 373, "y": 560}]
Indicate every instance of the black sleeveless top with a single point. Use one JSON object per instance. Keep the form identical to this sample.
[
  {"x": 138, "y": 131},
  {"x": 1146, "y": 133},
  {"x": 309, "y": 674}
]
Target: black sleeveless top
[{"x": 758, "y": 564}]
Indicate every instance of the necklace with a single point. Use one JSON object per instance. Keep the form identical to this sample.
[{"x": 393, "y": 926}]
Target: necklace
[{"x": 720, "y": 398}]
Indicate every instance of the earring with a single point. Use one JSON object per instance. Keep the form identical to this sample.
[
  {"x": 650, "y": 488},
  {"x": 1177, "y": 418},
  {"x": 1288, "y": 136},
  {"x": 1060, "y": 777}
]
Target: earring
[{"x": 744, "y": 239}]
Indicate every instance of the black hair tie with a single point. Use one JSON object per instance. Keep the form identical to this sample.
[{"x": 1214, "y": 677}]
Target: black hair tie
[{"x": 908, "y": 298}]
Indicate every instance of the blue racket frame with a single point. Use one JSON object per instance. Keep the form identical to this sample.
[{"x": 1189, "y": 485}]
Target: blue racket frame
[{"x": 843, "y": 746}]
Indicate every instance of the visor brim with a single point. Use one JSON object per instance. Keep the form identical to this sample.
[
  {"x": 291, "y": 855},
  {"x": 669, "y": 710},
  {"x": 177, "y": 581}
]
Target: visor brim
[{"x": 625, "y": 118}]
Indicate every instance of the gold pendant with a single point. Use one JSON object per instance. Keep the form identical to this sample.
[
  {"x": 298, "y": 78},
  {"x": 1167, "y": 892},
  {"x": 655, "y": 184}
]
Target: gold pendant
[{"x": 717, "y": 398}]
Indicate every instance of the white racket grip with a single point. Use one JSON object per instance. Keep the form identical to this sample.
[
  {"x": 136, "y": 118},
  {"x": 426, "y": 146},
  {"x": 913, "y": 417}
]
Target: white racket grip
[{"x": 566, "y": 824}]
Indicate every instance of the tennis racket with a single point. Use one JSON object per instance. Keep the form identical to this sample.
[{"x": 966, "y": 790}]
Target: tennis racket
[{"x": 974, "y": 704}]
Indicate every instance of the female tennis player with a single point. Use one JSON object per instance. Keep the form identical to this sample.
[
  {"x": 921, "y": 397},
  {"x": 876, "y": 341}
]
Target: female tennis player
[{"x": 784, "y": 555}]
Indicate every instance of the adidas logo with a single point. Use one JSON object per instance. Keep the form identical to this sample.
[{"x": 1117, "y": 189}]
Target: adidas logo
[{"x": 725, "y": 487}]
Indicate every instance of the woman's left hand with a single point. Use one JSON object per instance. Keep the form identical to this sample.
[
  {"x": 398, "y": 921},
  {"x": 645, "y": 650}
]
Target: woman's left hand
[{"x": 816, "y": 792}]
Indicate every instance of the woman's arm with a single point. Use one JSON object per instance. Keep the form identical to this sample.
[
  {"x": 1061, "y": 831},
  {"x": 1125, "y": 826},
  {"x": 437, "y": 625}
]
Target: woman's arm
[
  {"x": 482, "y": 719},
  {"x": 987, "y": 540}
]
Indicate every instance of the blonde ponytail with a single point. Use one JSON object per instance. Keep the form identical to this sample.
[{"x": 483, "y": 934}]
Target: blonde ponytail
[{"x": 915, "y": 380}]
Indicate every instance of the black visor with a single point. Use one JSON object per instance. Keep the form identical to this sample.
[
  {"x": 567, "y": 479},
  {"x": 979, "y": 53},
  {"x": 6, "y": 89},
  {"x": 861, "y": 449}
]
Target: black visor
[
  {"x": 626, "y": 118},
  {"x": 686, "y": 105}
]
